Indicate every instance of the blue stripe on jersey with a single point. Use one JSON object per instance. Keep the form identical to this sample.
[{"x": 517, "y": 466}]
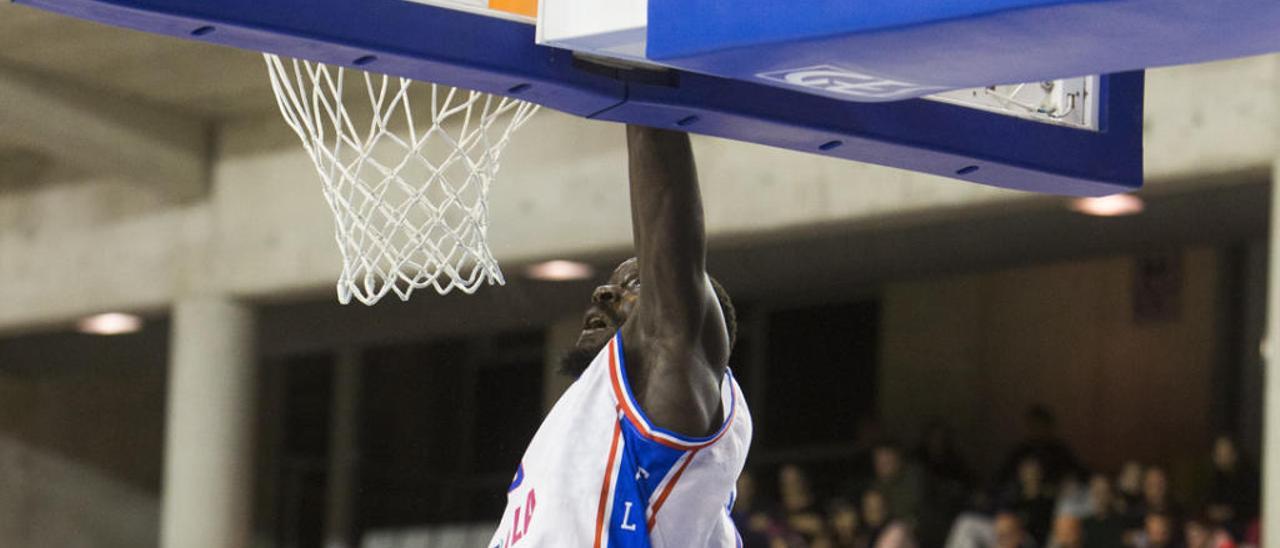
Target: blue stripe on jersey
[
  {"x": 653, "y": 460},
  {"x": 519, "y": 479},
  {"x": 627, "y": 527},
  {"x": 644, "y": 465}
]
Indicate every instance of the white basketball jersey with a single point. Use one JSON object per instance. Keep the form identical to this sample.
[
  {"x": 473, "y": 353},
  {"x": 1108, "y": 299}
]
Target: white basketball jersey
[{"x": 598, "y": 474}]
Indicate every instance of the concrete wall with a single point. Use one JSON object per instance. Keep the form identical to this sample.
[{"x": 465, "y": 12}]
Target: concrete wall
[
  {"x": 976, "y": 350},
  {"x": 48, "y": 500},
  {"x": 86, "y": 245},
  {"x": 81, "y": 433}
]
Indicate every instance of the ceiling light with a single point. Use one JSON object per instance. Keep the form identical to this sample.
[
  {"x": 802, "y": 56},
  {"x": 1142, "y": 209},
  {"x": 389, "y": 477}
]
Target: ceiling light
[
  {"x": 560, "y": 271},
  {"x": 1115, "y": 205},
  {"x": 112, "y": 323}
]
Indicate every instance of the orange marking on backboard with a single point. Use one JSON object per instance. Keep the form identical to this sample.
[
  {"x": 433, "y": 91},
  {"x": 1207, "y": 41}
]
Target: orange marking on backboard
[{"x": 527, "y": 8}]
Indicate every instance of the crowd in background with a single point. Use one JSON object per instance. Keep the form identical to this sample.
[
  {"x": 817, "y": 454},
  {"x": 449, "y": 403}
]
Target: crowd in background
[{"x": 1041, "y": 496}]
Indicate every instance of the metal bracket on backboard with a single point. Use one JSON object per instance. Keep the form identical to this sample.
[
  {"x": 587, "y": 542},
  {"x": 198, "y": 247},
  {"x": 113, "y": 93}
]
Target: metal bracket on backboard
[
  {"x": 1071, "y": 102},
  {"x": 626, "y": 71}
]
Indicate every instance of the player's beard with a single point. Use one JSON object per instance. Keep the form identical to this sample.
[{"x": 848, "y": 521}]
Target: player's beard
[{"x": 575, "y": 361}]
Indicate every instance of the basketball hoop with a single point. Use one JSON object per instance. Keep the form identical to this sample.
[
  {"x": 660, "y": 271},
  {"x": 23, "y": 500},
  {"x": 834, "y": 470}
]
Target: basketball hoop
[{"x": 409, "y": 197}]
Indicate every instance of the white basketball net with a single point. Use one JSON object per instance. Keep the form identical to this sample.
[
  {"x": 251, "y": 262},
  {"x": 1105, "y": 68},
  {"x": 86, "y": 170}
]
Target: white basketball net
[{"x": 409, "y": 197}]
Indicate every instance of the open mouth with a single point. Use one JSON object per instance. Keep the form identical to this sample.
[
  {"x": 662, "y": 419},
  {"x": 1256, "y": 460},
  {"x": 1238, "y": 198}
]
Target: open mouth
[{"x": 595, "y": 320}]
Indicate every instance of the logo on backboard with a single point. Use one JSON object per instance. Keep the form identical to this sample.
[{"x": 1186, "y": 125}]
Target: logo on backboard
[{"x": 840, "y": 82}]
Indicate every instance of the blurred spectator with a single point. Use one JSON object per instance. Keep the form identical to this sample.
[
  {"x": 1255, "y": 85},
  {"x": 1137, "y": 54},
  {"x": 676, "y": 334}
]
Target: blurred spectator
[
  {"x": 948, "y": 481},
  {"x": 1200, "y": 532},
  {"x": 1073, "y": 496},
  {"x": 1137, "y": 510},
  {"x": 1067, "y": 532},
  {"x": 1104, "y": 528},
  {"x": 972, "y": 530},
  {"x": 1031, "y": 499},
  {"x": 1253, "y": 533},
  {"x": 751, "y": 520},
  {"x": 1233, "y": 489},
  {"x": 1158, "y": 531},
  {"x": 883, "y": 529},
  {"x": 845, "y": 527},
  {"x": 1129, "y": 489},
  {"x": 1009, "y": 531},
  {"x": 1156, "y": 498},
  {"x": 1041, "y": 441},
  {"x": 899, "y": 482},
  {"x": 800, "y": 513}
]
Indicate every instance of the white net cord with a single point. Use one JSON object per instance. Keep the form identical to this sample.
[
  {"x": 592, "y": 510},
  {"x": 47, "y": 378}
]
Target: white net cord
[{"x": 409, "y": 197}]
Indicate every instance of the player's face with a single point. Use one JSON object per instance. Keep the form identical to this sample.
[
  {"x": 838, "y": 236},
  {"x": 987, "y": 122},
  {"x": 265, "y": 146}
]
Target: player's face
[{"x": 611, "y": 305}]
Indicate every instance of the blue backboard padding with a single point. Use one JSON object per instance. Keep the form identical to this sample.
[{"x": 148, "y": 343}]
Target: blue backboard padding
[
  {"x": 918, "y": 134},
  {"x": 412, "y": 40},
  {"x": 956, "y": 43},
  {"x": 500, "y": 56},
  {"x": 680, "y": 28}
]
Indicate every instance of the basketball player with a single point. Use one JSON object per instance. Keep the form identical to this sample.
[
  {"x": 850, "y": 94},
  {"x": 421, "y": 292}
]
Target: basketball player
[{"x": 645, "y": 447}]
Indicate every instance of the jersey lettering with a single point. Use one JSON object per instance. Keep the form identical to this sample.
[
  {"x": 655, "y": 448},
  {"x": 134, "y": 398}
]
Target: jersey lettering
[
  {"x": 529, "y": 503},
  {"x": 626, "y": 518},
  {"x": 517, "y": 531}
]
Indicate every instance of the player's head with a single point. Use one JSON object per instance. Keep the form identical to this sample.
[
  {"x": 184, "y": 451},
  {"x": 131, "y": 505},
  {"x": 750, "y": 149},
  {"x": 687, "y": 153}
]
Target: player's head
[{"x": 611, "y": 305}]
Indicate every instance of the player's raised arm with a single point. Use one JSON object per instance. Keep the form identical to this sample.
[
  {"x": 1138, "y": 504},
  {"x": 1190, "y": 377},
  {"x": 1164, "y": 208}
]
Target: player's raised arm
[
  {"x": 670, "y": 239},
  {"x": 677, "y": 318}
]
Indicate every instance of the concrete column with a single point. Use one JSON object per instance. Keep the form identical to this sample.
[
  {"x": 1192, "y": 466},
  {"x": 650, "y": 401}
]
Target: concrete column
[
  {"x": 1271, "y": 388},
  {"x": 208, "y": 490}
]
